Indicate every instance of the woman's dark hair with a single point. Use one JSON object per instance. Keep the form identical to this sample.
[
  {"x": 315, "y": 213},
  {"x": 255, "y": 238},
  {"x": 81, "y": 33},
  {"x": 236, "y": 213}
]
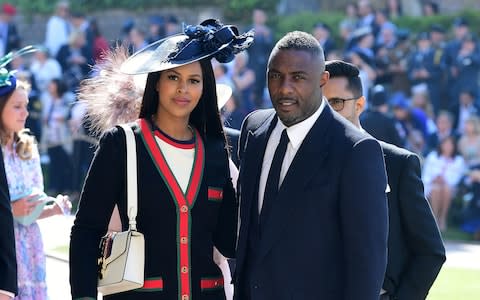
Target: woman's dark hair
[
  {"x": 205, "y": 116},
  {"x": 61, "y": 86},
  {"x": 453, "y": 139}
]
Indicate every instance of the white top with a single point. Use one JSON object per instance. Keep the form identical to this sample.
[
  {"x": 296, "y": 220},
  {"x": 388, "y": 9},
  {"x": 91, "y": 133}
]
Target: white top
[
  {"x": 180, "y": 162},
  {"x": 296, "y": 134},
  {"x": 45, "y": 72},
  {"x": 57, "y": 33},
  {"x": 450, "y": 169}
]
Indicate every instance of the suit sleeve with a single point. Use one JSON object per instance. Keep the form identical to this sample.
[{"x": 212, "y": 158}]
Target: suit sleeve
[
  {"x": 364, "y": 221},
  {"x": 104, "y": 185},
  {"x": 8, "y": 260},
  {"x": 421, "y": 232}
]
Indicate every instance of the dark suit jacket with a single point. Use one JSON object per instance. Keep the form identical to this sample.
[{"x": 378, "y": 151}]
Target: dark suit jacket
[
  {"x": 8, "y": 260},
  {"x": 381, "y": 127},
  {"x": 13, "y": 38},
  {"x": 415, "y": 248},
  {"x": 325, "y": 236}
]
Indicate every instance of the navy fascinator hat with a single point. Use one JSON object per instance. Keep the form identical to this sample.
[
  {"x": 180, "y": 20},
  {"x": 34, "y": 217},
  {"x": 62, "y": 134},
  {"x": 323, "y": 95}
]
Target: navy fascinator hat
[
  {"x": 209, "y": 39},
  {"x": 8, "y": 81}
]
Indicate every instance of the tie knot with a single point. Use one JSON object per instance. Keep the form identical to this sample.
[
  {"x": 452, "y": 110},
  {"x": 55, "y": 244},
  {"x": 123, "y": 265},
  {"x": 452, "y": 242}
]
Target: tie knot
[{"x": 284, "y": 138}]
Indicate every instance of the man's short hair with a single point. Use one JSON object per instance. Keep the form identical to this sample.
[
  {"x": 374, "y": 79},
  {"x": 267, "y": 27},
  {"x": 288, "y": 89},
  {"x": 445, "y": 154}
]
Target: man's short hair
[
  {"x": 300, "y": 40},
  {"x": 339, "y": 68}
]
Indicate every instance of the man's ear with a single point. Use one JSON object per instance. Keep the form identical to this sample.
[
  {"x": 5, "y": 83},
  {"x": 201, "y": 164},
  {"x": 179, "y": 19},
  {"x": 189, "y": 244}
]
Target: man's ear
[
  {"x": 360, "y": 105},
  {"x": 324, "y": 78}
]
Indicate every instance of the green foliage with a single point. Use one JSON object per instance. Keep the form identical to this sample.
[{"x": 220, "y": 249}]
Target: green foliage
[
  {"x": 241, "y": 10},
  {"x": 305, "y": 22},
  {"x": 29, "y": 7}
]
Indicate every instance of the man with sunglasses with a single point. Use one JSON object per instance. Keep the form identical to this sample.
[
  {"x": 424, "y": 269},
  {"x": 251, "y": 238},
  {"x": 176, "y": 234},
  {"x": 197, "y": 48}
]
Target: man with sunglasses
[{"x": 415, "y": 248}]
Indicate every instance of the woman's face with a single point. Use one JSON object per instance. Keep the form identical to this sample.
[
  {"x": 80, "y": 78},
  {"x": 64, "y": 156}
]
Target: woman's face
[
  {"x": 447, "y": 147},
  {"x": 469, "y": 128},
  {"x": 15, "y": 112},
  {"x": 179, "y": 90}
]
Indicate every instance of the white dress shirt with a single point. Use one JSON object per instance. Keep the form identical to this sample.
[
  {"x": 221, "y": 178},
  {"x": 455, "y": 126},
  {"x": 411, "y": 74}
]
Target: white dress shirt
[{"x": 296, "y": 134}]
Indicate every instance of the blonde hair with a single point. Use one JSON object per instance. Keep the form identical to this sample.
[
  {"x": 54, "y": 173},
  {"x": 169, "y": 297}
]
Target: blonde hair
[
  {"x": 475, "y": 121},
  {"x": 23, "y": 139}
]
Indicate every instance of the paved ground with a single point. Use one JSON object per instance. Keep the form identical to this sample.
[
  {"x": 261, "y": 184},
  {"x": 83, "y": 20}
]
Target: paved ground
[{"x": 56, "y": 234}]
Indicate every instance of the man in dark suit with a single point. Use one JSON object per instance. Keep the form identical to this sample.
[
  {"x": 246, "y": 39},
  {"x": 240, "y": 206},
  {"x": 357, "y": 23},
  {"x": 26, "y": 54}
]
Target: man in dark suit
[
  {"x": 378, "y": 123},
  {"x": 309, "y": 185},
  {"x": 8, "y": 260},
  {"x": 415, "y": 248}
]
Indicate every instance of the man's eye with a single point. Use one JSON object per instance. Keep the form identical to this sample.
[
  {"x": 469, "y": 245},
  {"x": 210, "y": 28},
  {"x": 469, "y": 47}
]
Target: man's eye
[{"x": 273, "y": 76}]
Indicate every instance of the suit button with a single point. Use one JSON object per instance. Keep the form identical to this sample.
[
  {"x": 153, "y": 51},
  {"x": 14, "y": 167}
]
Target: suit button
[{"x": 255, "y": 286}]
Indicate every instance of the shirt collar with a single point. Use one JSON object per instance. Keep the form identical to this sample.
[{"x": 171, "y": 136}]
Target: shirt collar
[{"x": 297, "y": 133}]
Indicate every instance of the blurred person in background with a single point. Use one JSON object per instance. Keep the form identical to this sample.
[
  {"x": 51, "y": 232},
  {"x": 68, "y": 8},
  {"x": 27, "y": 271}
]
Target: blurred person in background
[
  {"x": 465, "y": 68},
  {"x": 74, "y": 59},
  {"x": 244, "y": 79},
  {"x": 443, "y": 129},
  {"x": 424, "y": 68},
  {"x": 44, "y": 68},
  {"x": 9, "y": 37},
  {"x": 465, "y": 108},
  {"x": 430, "y": 8},
  {"x": 442, "y": 171},
  {"x": 57, "y": 136},
  {"x": 100, "y": 43},
  {"x": 322, "y": 32},
  {"x": 377, "y": 121},
  {"x": 58, "y": 28},
  {"x": 258, "y": 54},
  {"x": 156, "y": 28}
]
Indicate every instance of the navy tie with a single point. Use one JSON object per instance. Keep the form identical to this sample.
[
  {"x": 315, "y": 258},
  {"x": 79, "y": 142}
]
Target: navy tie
[{"x": 272, "y": 185}]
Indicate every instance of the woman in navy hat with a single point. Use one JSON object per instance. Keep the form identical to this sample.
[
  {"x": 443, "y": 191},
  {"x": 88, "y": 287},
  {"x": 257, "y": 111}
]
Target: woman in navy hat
[{"x": 186, "y": 201}]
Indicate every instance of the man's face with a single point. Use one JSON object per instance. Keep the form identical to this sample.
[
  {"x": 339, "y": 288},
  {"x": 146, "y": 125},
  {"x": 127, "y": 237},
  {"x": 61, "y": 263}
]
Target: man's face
[
  {"x": 336, "y": 90},
  {"x": 295, "y": 79}
]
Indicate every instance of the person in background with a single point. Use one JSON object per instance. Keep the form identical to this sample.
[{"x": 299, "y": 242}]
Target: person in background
[
  {"x": 9, "y": 37},
  {"x": 322, "y": 32},
  {"x": 100, "y": 43},
  {"x": 44, "y": 69},
  {"x": 377, "y": 122},
  {"x": 295, "y": 162},
  {"x": 258, "y": 54},
  {"x": 57, "y": 136},
  {"x": 442, "y": 171},
  {"x": 25, "y": 182},
  {"x": 58, "y": 28},
  {"x": 182, "y": 159},
  {"x": 156, "y": 28},
  {"x": 415, "y": 248}
]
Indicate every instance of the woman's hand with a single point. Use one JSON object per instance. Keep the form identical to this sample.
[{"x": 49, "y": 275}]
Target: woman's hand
[
  {"x": 24, "y": 206},
  {"x": 63, "y": 205}
]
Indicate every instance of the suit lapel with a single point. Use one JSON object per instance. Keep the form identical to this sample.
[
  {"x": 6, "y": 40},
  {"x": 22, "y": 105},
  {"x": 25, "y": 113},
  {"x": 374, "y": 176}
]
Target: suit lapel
[
  {"x": 308, "y": 161},
  {"x": 255, "y": 144}
]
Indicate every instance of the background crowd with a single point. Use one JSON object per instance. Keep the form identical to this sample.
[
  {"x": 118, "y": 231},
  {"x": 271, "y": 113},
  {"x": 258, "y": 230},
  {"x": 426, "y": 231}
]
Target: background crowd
[{"x": 422, "y": 91}]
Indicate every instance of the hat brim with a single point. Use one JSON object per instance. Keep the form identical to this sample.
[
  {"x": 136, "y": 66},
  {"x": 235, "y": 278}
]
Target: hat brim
[{"x": 155, "y": 57}]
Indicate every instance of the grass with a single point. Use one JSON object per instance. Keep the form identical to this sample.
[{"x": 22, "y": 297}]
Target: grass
[
  {"x": 456, "y": 283},
  {"x": 456, "y": 234}
]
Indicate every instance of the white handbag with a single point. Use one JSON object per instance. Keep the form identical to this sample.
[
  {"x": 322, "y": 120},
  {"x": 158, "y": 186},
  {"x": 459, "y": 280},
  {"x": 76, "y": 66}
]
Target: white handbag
[{"x": 122, "y": 261}]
